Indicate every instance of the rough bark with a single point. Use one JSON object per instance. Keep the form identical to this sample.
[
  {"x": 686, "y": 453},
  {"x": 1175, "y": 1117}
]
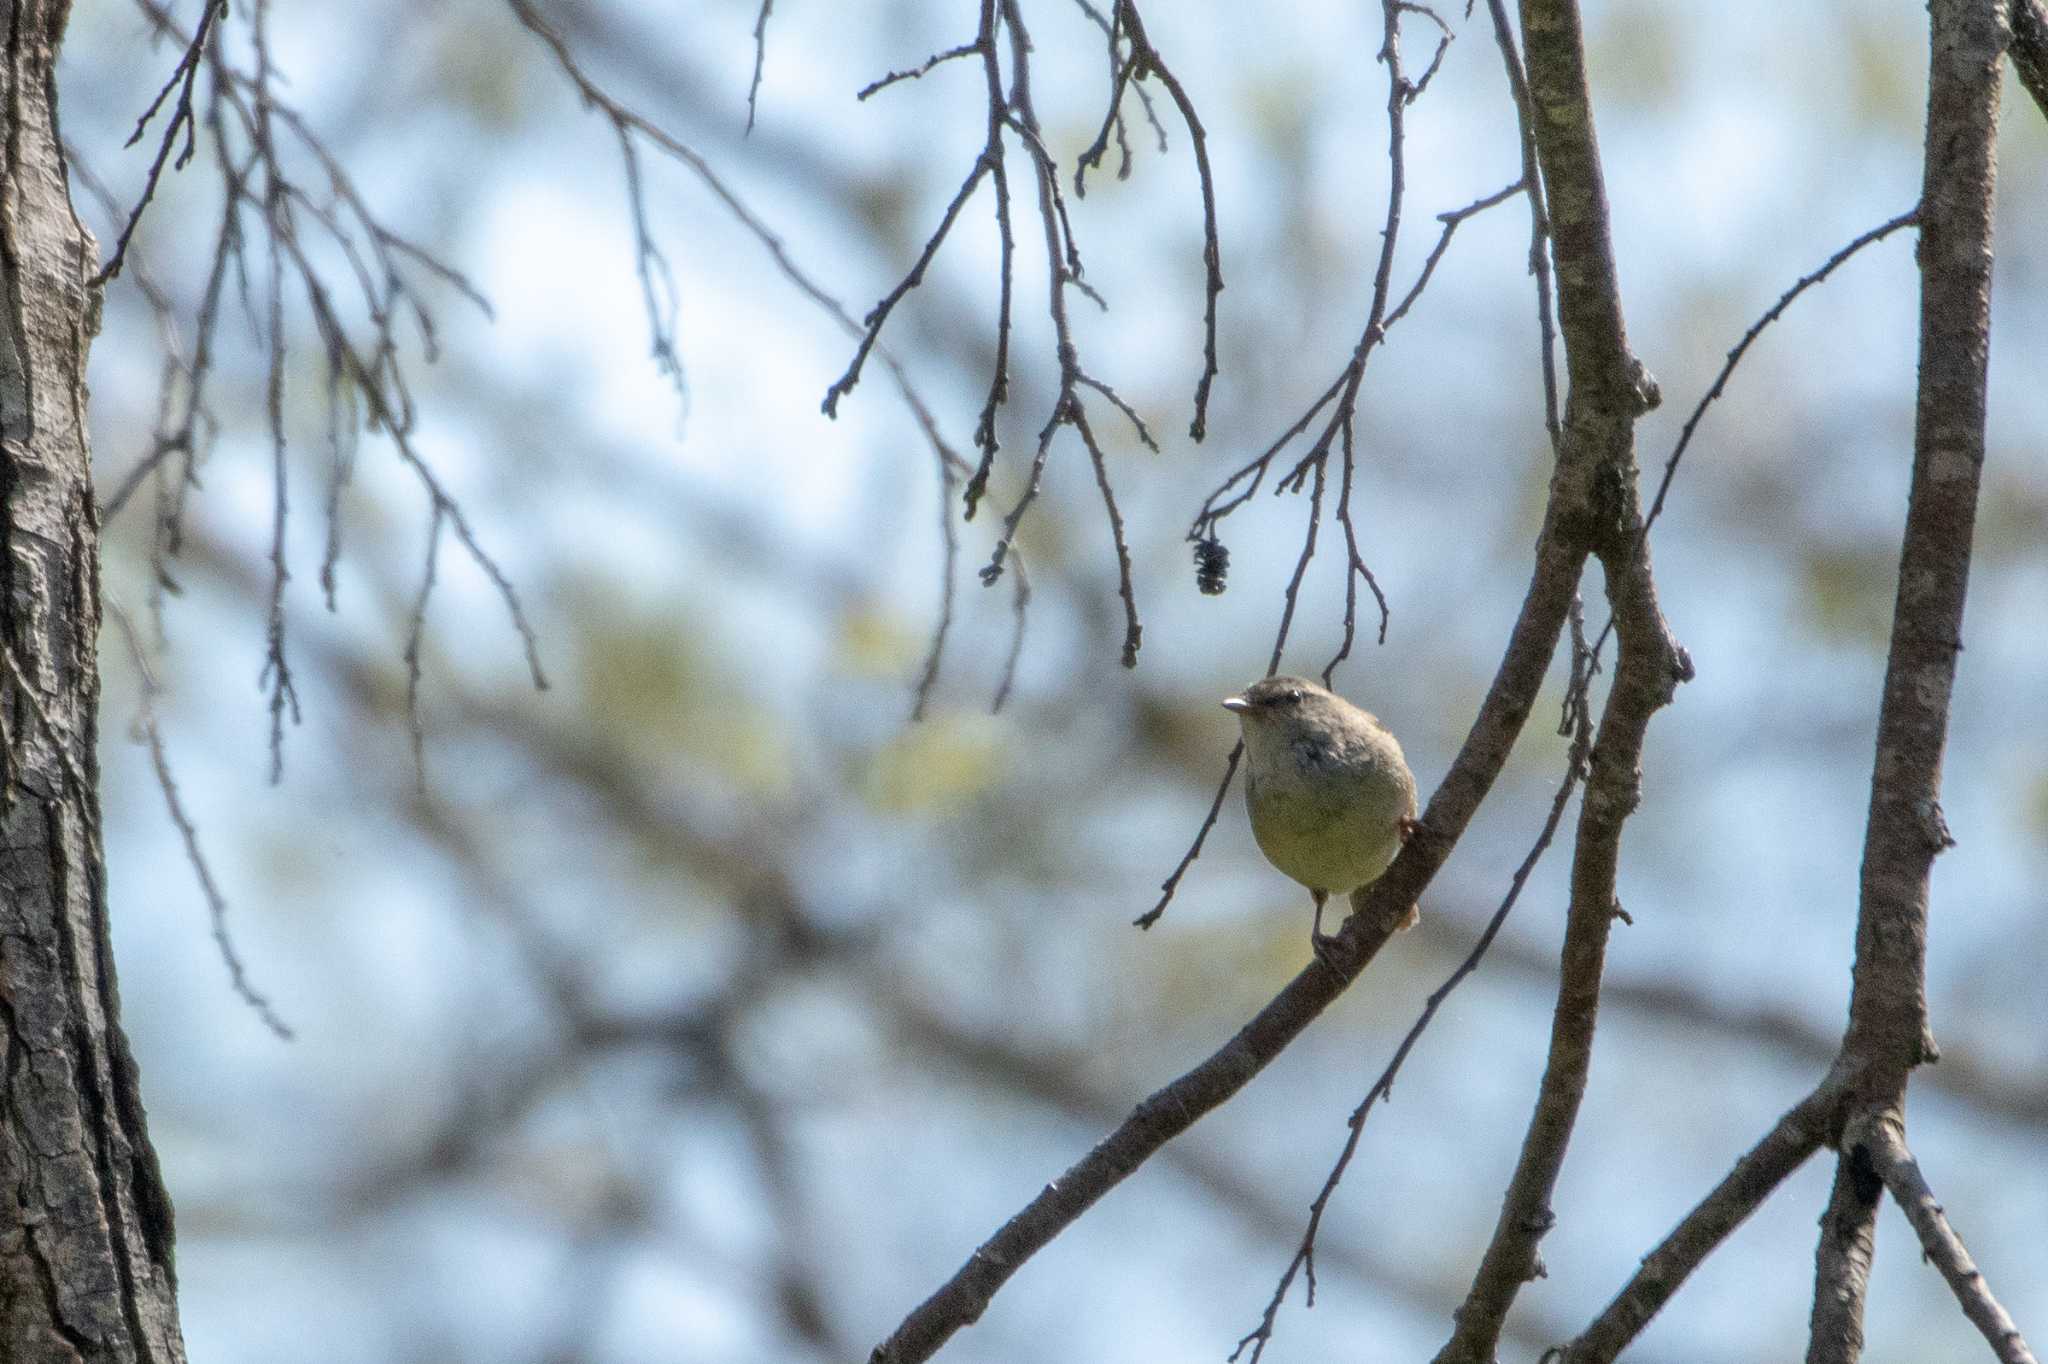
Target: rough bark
[{"x": 85, "y": 1235}]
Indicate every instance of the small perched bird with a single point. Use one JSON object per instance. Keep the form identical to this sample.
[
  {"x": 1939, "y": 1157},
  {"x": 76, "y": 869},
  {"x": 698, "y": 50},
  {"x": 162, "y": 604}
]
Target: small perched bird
[{"x": 1330, "y": 795}]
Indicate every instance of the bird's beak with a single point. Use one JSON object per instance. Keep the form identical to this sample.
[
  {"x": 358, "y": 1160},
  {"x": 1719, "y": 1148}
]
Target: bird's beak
[{"x": 1236, "y": 704}]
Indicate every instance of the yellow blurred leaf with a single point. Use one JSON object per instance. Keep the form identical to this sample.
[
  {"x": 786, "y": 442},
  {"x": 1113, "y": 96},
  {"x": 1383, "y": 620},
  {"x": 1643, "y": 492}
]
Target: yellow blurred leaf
[
  {"x": 2037, "y": 807},
  {"x": 1849, "y": 590},
  {"x": 648, "y": 688},
  {"x": 874, "y": 643},
  {"x": 941, "y": 762}
]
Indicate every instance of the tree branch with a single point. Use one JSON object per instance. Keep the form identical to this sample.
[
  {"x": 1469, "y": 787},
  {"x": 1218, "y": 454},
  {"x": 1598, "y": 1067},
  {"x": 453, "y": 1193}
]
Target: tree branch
[
  {"x": 961, "y": 1300},
  {"x": 1784, "y": 1149},
  {"x": 1885, "y": 1139},
  {"x": 2030, "y": 48},
  {"x": 1608, "y": 391},
  {"x": 1887, "y": 1034}
]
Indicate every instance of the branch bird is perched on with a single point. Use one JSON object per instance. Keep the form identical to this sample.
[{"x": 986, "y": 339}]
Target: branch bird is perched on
[{"x": 1330, "y": 795}]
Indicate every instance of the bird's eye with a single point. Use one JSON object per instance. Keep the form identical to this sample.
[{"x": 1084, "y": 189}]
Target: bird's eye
[{"x": 1292, "y": 696}]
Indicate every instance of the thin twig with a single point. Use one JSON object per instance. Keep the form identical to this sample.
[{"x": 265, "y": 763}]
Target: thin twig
[
  {"x": 1735, "y": 353},
  {"x": 1376, "y": 911},
  {"x": 1020, "y": 616},
  {"x": 182, "y": 78},
  {"x": 1734, "y": 357},
  {"x": 949, "y": 558},
  {"x": 151, "y": 734},
  {"x": 917, "y": 72},
  {"x": 1172, "y": 882},
  {"x": 1539, "y": 216},
  {"x": 415, "y": 635},
  {"x": 760, "y": 58}
]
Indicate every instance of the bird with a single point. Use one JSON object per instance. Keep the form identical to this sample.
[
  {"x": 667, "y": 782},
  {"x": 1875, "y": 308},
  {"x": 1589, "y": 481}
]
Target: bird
[{"x": 1327, "y": 788}]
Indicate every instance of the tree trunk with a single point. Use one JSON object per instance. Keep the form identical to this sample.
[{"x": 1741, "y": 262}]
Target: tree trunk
[{"x": 85, "y": 1235}]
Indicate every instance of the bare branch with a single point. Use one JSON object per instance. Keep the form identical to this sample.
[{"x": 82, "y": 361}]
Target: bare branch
[
  {"x": 1608, "y": 391},
  {"x": 628, "y": 124},
  {"x": 1735, "y": 354},
  {"x": 250, "y": 129},
  {"x": 1885, "y": 1138},
  {"x": 1888, "y": 1032},
  {"x": 1376, "y": 909},
  {"x": 1797, "y": 1135},
  {"x": 1156, "y": 1121},
  {"x": 1337, "y": 406}
]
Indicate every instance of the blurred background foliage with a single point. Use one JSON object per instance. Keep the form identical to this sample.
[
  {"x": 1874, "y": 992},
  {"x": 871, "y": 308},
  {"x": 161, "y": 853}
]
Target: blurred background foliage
[{"x": 703, "y": 1008}]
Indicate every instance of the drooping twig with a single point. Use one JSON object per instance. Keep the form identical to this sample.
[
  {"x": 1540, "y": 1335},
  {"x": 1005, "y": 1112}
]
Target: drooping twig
[
  {"x": 1291, "y": 594},
  {"x": 1140, "y": 62},
  {"x": 1357, "y": 570},
  {"x": 949, "y": 559},
  {"x": 260, "y": 145},
  {"x": 1020, "y": 616},
  {"x": 415, "y": 639},
  {"x": 658, "y": 296},
  {"x": 151, "y": 734},
  {"x": 182, "y": 79},
  {"x": 277, "y": 673},
  {"x": 1063, "y": 272},
  {"x": 629, "y": 124}
]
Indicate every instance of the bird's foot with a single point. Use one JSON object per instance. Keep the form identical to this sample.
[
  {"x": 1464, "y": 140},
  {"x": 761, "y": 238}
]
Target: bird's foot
[
  {"x": 1407, "y": 826},
  {"x": 1323, "y": 943}
]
